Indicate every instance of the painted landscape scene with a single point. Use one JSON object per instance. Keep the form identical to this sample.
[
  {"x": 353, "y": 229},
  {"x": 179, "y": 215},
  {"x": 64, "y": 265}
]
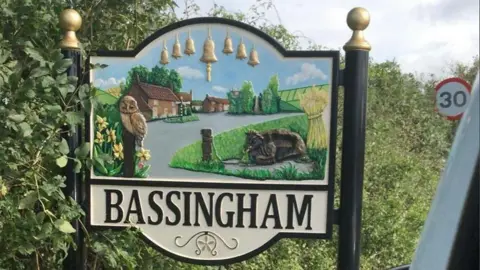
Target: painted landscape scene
[{"x": 211, "y": 102}]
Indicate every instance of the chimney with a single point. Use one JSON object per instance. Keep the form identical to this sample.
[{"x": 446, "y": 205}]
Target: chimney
[{"x": 191, "y": 94}]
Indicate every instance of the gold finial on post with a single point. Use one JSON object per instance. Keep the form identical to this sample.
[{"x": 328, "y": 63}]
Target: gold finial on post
[
  {"x": 358, "y": 20},
  {"x": 70, "y": 22}
]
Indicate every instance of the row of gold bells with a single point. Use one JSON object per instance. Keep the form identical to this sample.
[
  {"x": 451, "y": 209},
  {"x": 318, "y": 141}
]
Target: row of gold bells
[{"x": 209, "y": 56}]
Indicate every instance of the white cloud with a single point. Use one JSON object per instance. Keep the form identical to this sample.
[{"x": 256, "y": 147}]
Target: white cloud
[
  {"x": 307, "y": 71},
  {"x": 108, "y": 83},
  {"x": 220, "y": 89},
  {"x": 190, "y": 73},
  {"x": 407, "y": 31}
]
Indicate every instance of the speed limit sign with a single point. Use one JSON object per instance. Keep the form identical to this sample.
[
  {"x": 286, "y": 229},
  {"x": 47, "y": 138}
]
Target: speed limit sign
[{"x": 452, "y": 97}]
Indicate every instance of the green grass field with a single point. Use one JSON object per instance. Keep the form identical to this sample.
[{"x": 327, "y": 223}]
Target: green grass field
[
  {"x": 105, "y": 98},
  {"x": 229, "y": 145},
  {"x": 290, "y": 98}
]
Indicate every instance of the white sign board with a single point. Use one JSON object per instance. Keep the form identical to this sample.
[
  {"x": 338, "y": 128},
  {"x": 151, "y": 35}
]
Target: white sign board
[
  {"x": 214, "y": 141},
  {"x": 452, "y": 97}
]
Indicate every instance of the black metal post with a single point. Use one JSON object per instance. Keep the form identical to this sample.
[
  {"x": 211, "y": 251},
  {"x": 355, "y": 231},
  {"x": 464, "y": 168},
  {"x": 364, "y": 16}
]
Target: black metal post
[
  {"x": 75, "y": 258},
  {"x": 353, "y": 151},
  {"x": 70, "y": 22}
]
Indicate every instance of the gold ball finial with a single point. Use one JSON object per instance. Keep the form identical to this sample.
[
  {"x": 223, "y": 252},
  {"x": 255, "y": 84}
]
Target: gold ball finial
[
  {"x": 70, "y": 22},
  {"x": 358, "y": 20}
]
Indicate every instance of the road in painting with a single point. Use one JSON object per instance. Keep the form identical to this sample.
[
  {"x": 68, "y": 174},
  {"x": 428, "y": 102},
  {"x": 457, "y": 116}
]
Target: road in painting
[{"x": 266, "y": 117}]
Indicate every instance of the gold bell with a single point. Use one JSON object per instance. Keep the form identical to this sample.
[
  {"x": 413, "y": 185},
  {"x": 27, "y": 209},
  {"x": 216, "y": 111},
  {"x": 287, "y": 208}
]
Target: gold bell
[
  {"x": 189, "y": 45},
  {"x": 241, "y": 50},
  {"x": 253, "y": 61},
  {"x": 208, "y": 56},
  {"x": 177, "y": 51},
  {"x": 228, "y": 45},
  {"x": 164, "y": 56}
]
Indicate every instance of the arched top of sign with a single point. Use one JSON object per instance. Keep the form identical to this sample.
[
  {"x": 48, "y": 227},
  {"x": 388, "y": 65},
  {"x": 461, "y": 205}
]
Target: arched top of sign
[{"x": 218, "y": 22}]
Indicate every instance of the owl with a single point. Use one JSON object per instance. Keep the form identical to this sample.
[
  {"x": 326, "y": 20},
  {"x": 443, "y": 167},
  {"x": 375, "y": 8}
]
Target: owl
[{"x": 133, "y": 120}]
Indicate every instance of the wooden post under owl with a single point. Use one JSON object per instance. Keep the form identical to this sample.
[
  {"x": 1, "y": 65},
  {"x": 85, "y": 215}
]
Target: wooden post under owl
[{"x": 128, "y": 154}]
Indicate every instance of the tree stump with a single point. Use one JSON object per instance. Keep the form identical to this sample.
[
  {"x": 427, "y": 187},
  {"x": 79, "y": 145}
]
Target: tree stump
[{"x": 206, "y": 144}]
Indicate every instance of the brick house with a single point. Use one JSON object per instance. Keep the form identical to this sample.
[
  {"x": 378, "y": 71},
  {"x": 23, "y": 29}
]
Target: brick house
[
  {"x": 154, "y": 101},
  {"x": 215, "y": 104}
]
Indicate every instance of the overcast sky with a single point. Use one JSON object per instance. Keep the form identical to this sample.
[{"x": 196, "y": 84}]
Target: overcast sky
[{"x": 422, "y": 35}]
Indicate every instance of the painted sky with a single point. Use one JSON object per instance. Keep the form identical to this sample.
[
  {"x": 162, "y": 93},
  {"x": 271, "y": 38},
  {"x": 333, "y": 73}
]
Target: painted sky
[{"x": 227, "y": 73}]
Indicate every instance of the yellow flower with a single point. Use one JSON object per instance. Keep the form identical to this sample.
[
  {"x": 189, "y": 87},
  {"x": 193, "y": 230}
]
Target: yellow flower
[
  {"x": 99, "y": 138},
  {"x": 101, "y": 123},
  {"x": 111, "y": 136},
  {"x": 118, "y": 151},
  {"x": 143, "y": 154}
]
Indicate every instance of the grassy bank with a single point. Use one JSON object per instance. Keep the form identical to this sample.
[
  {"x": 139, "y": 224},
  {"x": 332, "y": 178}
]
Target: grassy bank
[{"x": 230, "y": 145}]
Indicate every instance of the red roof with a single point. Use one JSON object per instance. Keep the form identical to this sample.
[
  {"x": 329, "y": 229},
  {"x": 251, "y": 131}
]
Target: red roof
[
  {"x": 158, "y": 92},
  {"x": 218, "y": 100},
  {"x": 186, "y": 96}
]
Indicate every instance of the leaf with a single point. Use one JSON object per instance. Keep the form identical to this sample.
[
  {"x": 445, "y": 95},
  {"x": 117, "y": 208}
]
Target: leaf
[
  {"x": 28, "y": 201},
  {"x": 16, "y": 117},
  {"x": 64, "y": 148},
  {"x": 62, "y": 79},
  {"x": 99, "y": 166},
  {"x": 40, "y": 217},
  {"x": 62, "y": 65},
  {"x": 30, "y": 94},
  {"x": 47, "y": 82},
  {"x": 83, "y": 150},
  {"x": 74, "y": 118},
  {"x": 26, "y": 129},
  {"x": 116, "y": 171},
  {"x": 39, "y": 72},
  {"x": 77, "y": 166},
  {"x": 65, "y": 89},
  {"x": 33, "y": 53},
  {"x": 53, "y": 108},
  {"x": 64, "y": 226},
  {"x": 45, "y": 231},
  {"x": 62, "y": 161}
]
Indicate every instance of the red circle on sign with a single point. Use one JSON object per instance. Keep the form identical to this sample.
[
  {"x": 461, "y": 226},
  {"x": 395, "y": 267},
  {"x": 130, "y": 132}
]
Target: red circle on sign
[{"x": 450, "y": 80}]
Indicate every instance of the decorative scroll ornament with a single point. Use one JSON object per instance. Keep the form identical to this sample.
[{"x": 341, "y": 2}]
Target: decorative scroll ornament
[
  {"x": 189, "y": 45},
  {"x": 241, "y": 50},
  {"x": 228, "y": 45},
  {"x": 164, "y": 56},
  {"x": 177, "y": 51},
  {"x": 207, "y": 241},
  {"x": 208, "y": 56}
]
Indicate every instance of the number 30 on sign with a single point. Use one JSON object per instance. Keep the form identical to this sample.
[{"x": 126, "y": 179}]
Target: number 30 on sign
[{"x": 452, "y": 97}]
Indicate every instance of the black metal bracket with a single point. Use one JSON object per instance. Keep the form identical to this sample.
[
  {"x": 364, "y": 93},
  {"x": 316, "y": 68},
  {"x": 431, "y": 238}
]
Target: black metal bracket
[
  {"x": 340, "y": 76},
  {"x": 336, "y": 216}
]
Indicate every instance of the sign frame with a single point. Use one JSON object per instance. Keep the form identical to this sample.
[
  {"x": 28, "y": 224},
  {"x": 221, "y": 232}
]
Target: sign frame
[
  {"x": 445, "y": 82},
  {"x": 335, "y": 57}
]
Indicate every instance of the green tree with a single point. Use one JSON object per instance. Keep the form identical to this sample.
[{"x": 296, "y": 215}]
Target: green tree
[
  {"x": 160, "y": 76},
  {"x": 247, "y": 94},
  {"x": 233, "y": 108},
  {"x": 140, "y": 72},
  {"x": 267, "y": 101},
  {"x": 273, "y": 86},
  {"x": 175, "y": 81}
]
